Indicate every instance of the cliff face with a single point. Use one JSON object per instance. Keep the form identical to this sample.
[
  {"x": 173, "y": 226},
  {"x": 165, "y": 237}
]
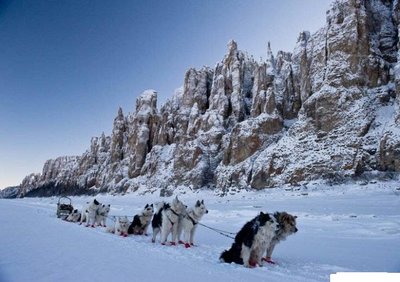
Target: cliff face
[{"x": 328, "y": 110}]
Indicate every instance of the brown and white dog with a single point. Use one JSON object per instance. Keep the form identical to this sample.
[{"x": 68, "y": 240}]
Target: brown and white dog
[{"x": 286, "y": 226}]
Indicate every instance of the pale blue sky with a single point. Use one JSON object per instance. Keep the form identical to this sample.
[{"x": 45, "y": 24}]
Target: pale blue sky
[{"x": 67, "y": 65}]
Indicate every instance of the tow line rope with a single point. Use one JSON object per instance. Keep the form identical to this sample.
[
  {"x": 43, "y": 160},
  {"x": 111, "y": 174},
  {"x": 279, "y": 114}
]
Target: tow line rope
[{"x": 222, "y": 232}]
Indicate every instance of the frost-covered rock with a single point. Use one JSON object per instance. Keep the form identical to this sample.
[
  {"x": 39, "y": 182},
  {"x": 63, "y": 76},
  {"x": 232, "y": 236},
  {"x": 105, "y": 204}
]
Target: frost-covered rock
[{"x": 328, "y": 110}]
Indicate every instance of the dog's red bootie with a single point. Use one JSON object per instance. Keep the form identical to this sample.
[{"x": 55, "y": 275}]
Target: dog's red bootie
[
  {"x": 252, "y": 264},
  {"x": 187, "y": 245},
  {"x": 268, "y": 260}
]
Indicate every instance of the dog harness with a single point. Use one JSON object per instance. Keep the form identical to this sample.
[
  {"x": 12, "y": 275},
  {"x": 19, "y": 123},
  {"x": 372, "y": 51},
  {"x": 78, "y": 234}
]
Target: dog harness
[
  {"x": 193, "y": 221},
  {"x": 174, "y": 212}
]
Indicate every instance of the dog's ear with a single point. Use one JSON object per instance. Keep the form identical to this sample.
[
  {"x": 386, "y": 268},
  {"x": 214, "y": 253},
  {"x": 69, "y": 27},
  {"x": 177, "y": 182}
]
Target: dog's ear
[
  {"x": 198, "y": 203},
  {"x": 202, "y": 201},
  {"x": 109, "y": 205},
  {"x": 262, "y": 214},
  {"x": 146, "y": 206},
  {"x": 151, "y": 205}
]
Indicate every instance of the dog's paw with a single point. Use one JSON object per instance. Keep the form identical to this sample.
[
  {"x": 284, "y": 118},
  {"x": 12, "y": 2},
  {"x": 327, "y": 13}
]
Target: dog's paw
[
  {"x": 181, "y": 242},
  {"x": 173, "y": 244},
  {"x": 187, "y": 245}
]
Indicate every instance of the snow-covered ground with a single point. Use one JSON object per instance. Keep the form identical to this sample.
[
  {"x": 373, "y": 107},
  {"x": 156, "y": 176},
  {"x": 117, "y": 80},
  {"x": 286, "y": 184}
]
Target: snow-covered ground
[{"x": 341, "y": 228}]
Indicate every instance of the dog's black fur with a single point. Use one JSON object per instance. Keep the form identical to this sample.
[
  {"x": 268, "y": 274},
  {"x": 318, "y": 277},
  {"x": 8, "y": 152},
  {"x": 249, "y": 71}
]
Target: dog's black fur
[
  {"x": 136, "y": 222},
  {"x": 157, "y": 218},
  {"x": 244, "y": 236}
]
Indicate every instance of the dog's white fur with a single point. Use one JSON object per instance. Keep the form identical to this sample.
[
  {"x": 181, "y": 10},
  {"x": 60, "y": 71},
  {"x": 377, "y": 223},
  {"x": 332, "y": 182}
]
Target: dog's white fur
[
  {"x": 261, "y": 242},
  {"x": 190, "y": 221},
  {"x": 74, "y": 216},
  {"x": 145, "y": 218},
  {"x": 120, "y": 226},
  {"x": 101, "y": 215},
  {"x": 90, "y": 213},
  {"x": 170, "y": 219}
]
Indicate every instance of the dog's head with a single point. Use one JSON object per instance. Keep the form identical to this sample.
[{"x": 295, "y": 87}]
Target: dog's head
[
  {"x": 178, "y": 206},
  {"x": 104, "y": 209},
  {"x": 94, "y": 205},
  {"x": 200, "y": 209},
  {"x": 287, "y": 222},
  {"x": 148, "y": 210},
  {"x": 123, "y": 222},
  {"x": 266, "y": 219}
]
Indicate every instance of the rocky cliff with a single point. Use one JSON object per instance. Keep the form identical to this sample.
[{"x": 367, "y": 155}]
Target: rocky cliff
[{"x": 329, "y": 110}]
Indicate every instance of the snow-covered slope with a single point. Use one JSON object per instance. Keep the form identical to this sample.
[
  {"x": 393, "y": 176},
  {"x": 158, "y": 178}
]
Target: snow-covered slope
[
  {"x": 329, "y": 110},
  {"x": 341, "y": 228}
]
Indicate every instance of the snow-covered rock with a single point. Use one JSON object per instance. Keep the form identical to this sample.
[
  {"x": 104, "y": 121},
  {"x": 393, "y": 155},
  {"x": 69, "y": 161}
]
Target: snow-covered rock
[{"x": 328, "y": 110}]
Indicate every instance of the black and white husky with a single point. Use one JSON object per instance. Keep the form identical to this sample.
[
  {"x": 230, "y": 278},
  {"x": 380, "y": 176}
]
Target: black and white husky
[
  {"x": 74, "y": 216},
  {"x": 190, "y": 221},
  {"x": 252, "y": 241},
  {"x": 141, "y": 221},
  {"x": 166, "y": 221},
  {"x": 89, "y": 213}
]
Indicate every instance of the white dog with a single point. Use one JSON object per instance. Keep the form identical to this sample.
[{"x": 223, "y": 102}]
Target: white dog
[
  {"x": 190, "y": 221},
  {"x": 89, "y": 213},
  {"x": 166, "y": 220},
  {"x": 120, "y": 227},
  {"x": 101, "y": 215}
]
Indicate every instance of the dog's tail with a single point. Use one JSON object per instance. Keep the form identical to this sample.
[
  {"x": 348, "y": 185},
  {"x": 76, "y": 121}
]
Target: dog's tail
[
  {"x": 159, "y": 206},
  {"x": 232, "y": 255}
]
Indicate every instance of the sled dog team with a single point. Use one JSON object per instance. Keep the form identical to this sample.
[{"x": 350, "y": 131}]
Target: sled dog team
[{"x": 256, "y": 238}]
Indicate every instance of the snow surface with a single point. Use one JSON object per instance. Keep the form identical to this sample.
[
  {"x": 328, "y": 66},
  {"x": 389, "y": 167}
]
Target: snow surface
[{"x": 341, "y": 228}]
